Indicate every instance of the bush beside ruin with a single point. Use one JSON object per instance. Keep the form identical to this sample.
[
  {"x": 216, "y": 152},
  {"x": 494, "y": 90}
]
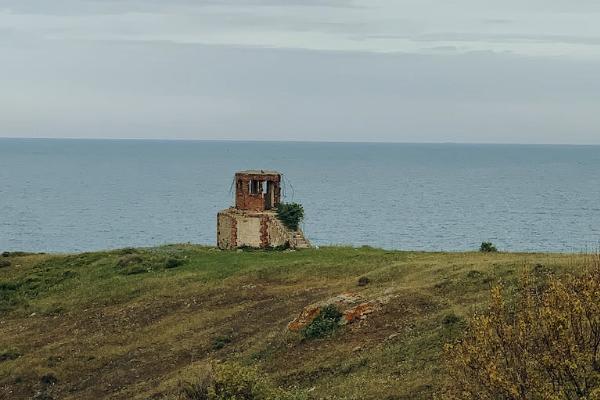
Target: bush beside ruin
[{"x": 290, "y": 214}]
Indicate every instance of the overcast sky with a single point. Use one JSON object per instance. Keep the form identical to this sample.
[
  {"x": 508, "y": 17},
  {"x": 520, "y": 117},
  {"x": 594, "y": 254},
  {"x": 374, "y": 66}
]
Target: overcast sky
[{"x": 509, "y": 71}]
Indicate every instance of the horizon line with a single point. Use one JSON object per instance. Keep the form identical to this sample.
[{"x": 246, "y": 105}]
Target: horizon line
[{"x": 299, "y": 141}]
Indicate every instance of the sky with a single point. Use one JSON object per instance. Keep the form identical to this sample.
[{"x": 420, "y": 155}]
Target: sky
[{"x": 476, "y": 71}]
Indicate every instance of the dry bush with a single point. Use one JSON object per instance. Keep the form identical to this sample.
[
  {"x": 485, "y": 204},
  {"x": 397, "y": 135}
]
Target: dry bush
[
  {"x": 232, "y": 381},
  {"x": 544, "y": 344}
]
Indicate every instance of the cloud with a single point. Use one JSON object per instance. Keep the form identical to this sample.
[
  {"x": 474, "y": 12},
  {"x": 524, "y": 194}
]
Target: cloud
[
  {"x": 398, "y": 70},
  {"x": 99, "y": 7},
  {"x": 383, "y": 26},
  {"x": 162, "y": 90},
  {"x": 504, "y": 38}
]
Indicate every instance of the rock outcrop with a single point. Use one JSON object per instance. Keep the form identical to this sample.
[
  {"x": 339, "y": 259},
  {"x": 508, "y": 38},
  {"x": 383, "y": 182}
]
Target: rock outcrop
[{"x": 352, "y": 306}]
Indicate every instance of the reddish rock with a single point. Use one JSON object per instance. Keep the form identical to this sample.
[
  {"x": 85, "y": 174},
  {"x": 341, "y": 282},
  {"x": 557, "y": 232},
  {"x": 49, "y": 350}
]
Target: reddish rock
[
  {"x": 358, "y": 312},
  {"x": 306, "y": 316},
  {"x": 309, "y": 313},
  {"x": 345, "y": 302}
]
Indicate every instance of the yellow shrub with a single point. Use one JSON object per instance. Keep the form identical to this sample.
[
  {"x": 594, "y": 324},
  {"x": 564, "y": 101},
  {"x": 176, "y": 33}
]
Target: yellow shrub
[
  {"x": 233, "y": 381},
  {"x": 545, "y": 345}
]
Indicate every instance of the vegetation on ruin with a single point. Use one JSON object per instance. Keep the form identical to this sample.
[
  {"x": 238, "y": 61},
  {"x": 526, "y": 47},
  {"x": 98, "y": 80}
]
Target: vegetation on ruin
[
  {"x": 150, "y": 327},
  {"x": 291, "y": 214}
]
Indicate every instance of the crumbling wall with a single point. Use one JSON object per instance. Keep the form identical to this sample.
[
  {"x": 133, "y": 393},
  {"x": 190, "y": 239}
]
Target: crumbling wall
[
  {"x": 278, "y": 234},
  {"x": 245, "y": 200},
  {"x": 226, "y": 231},
  {"x": 237, "y": 228},
  {"x": 248, "y": 230}
]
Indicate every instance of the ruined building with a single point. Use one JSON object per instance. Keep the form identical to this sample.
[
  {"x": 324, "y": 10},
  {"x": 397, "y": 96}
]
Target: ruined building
[{"x": 253, "y": 221}]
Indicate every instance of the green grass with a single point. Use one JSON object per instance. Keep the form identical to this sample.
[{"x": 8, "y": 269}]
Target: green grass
[{"x": 134, "y": 323}]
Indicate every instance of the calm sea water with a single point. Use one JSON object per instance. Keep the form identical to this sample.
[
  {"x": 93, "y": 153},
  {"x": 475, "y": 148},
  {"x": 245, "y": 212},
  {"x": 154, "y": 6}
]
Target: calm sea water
[{"x": 74, "y": 195}]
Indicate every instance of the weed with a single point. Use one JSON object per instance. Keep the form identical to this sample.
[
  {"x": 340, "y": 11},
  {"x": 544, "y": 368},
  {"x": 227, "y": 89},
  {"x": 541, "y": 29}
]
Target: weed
[
  {"x": 129, "y": 259},
  {"x": 9, "y": 354},
  {"x": 233, "y": 381},
  {"x": 220, "y": 341},
  {"x": 173, "y": 262},
  {"x": 451, "y": 319},
  {"x": 134, "y": 270}
]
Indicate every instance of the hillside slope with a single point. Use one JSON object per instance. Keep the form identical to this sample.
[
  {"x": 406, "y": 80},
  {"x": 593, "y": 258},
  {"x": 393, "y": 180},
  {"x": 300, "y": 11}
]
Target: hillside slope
[{"x": 134, "y": 323}]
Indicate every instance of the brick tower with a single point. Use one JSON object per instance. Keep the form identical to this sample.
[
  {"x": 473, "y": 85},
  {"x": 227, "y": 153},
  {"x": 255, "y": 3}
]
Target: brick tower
[{"x": 253, "y": 221}]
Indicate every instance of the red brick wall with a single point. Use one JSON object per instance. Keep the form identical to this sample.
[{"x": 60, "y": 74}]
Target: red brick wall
[
  {"x": 264, "y": 231},
  {"x": 244, "y": 200}
]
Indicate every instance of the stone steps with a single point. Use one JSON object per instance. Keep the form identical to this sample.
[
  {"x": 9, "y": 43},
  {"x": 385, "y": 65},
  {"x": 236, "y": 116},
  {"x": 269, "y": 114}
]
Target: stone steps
[{"x": 300, "y": 241}]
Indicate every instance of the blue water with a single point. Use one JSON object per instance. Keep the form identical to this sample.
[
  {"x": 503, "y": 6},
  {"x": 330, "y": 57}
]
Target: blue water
[{"x": 74, "y": 195}]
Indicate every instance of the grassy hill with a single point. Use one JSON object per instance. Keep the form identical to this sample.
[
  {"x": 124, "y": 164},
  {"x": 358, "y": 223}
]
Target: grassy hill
[{"x": 135, "y": 323}]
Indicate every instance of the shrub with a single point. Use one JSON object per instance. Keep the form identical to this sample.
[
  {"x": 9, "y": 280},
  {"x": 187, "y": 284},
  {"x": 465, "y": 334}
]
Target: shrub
[
  {"x": 134, "y": 270},
  {"x": 474, "y": 274},
  {"x": 197, "y": 390},
  {"x": 49, "y": 379},
  {"x": 324, "y": 324},
  {"x": 543, "y": 344},
  {"x": 17, "y": 253},
  {"x": 127, "y": 250},
  {"x": 291, "y": 214},
  {"x": 173, "y": 262},
  {"x": 129, "y": 259},
  {"x": 9, "y": 355},
  {"x": 283, "y": 247},
  {"x": 232, "y": 381},
  {"x": 363, "y": 281},
  {"x": 220, "y": 341},
  {"x": 488, "y": 247},
  {"x": 450, "y": 319},
  {"x": 5, "y": 263}
]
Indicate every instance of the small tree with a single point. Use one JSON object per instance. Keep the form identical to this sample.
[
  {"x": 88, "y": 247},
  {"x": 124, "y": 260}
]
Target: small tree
[
  {"x": 545, "y": 345},
  {"x": 487, "y": 247},
  {"x": 291, "y": 214}
]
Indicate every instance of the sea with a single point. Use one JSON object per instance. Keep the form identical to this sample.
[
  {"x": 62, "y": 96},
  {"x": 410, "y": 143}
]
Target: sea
[{"x": 63, "y": 195}]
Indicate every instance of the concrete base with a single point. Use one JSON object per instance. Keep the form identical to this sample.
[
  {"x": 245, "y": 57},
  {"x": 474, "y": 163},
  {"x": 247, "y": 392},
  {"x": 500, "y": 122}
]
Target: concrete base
[{"x": 258, "y": 229}]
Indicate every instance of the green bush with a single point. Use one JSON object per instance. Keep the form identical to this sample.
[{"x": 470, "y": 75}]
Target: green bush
[
  {"x": 488, "y": 247},
  {"x": 324, "y": 324},
  {"x": 173, "y": 262},
  {"x": 451, "y": 319},
  {"x": 291, "y": 214},
  {"x": 220, "y": 341}
]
